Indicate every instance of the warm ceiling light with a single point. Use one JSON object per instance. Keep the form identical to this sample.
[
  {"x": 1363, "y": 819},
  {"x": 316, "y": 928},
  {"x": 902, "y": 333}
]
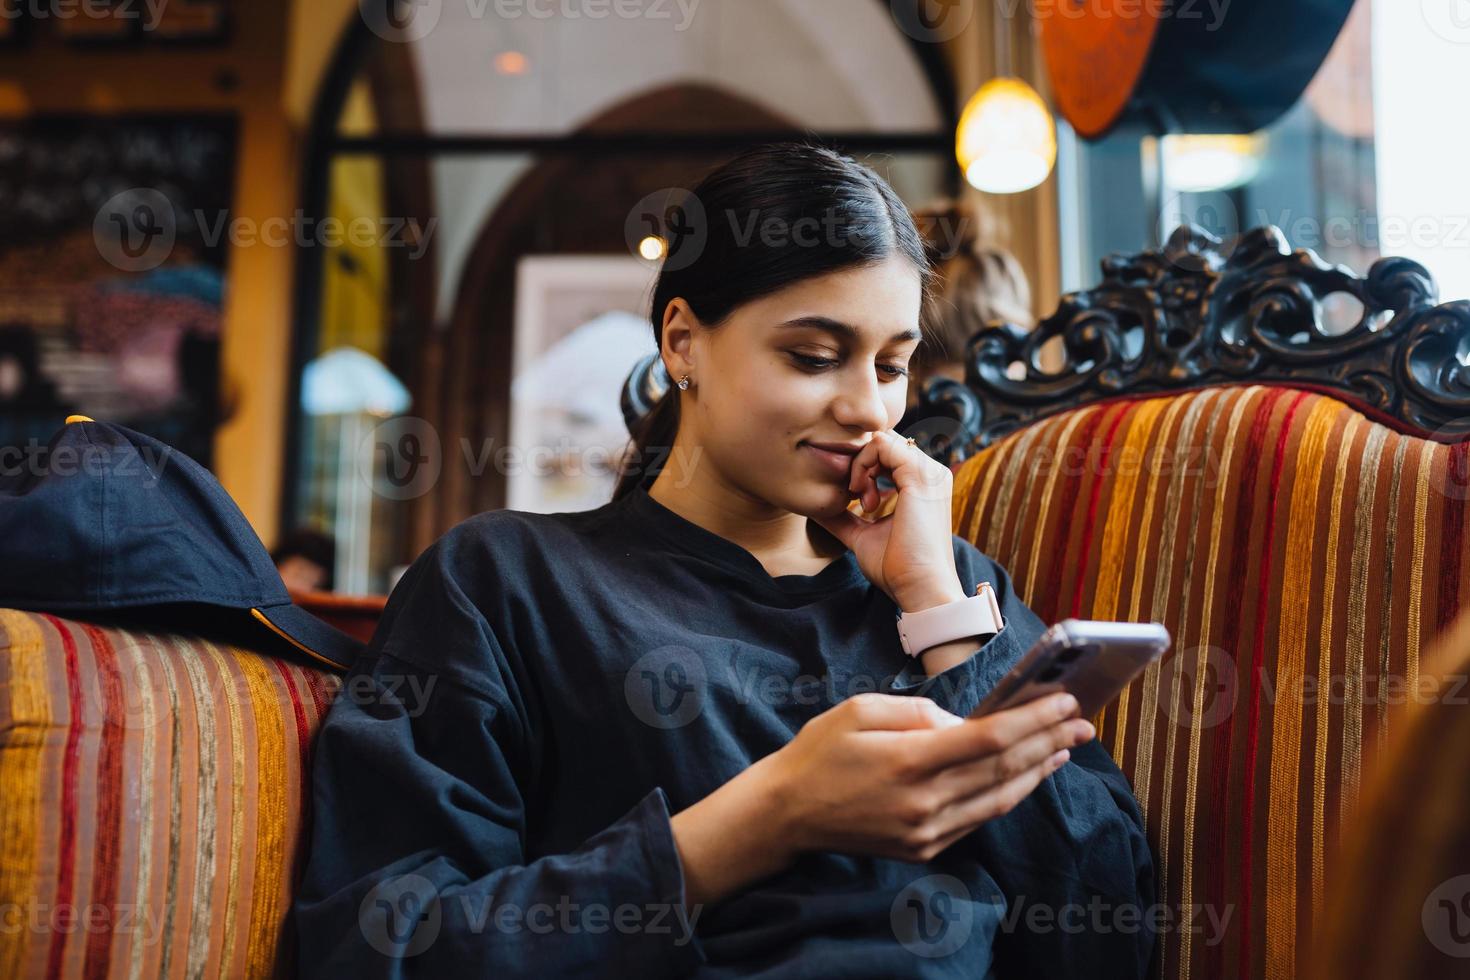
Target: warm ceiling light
[
  {"x": 652, "y": 248},
  {"x": 1007, "y": 140},
  {"x": 1198, "y": 163},
  {"x": 511, "y": 63}
]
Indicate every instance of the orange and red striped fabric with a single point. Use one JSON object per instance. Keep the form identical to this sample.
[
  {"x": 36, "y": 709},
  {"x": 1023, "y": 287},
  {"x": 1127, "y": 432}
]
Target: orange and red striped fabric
[
  {"x": 1301, "y": 556},
  {"x": 152, "y": 790}
]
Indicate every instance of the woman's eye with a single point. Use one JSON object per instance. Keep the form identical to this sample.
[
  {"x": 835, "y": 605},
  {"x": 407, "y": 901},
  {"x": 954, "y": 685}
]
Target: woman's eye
[
  {"x": 813, "y": 362},
  {"x": 893, "y": 371}
]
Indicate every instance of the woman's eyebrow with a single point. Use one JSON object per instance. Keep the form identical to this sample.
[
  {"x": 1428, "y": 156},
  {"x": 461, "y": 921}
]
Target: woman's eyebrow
[{"x": 841, "y": 329}]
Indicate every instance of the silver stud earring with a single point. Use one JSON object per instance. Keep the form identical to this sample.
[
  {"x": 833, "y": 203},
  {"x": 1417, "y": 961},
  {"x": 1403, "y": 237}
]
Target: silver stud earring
[{"x": 684, "y": 383}]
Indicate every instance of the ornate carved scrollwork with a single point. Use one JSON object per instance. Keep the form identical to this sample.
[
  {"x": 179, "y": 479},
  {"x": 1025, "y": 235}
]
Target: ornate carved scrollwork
[{"x": 1203, "y": 312}]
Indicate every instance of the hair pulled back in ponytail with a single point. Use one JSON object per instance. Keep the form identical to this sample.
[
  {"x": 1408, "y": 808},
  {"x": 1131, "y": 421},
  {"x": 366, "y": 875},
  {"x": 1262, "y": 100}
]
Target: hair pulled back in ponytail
[{"x": 721, "y": 259}]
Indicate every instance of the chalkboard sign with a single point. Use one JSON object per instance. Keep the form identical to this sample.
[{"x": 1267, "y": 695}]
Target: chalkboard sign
[{"x": 114, "y": 236}]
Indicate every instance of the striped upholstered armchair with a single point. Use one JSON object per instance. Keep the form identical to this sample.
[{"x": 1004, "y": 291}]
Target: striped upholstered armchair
[
  {"x": 1290, "y": 500},
  {"x": 152, "y": 788},
  {"x": 1291, "y": 503}
]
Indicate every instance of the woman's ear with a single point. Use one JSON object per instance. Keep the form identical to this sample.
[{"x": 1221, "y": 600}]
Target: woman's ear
[{"x": 679, "y": 326}]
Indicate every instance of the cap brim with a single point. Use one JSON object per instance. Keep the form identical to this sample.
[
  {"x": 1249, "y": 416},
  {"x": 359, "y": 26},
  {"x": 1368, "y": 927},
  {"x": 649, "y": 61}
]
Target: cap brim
[{"x": 316, "y": 639}]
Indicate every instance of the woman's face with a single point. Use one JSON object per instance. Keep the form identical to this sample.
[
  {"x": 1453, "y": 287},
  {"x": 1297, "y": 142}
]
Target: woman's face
[{"x": 822, "y": 361}]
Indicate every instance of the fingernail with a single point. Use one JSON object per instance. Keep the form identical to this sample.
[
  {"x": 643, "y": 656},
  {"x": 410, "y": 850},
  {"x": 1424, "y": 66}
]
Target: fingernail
[
  {"x": 1059, "y": 759},
  {"x": 1066, "y": 704},
  {"x": 1086, "y": 731}
]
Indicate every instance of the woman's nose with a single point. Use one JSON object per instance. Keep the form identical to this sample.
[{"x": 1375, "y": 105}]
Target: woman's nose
[{"x": 862, "y": 407}]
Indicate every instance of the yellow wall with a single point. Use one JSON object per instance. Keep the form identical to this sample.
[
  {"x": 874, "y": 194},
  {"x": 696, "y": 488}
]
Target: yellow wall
[
  {"x": 314, "y": 29},
  {"x": 354, "y": 309}
]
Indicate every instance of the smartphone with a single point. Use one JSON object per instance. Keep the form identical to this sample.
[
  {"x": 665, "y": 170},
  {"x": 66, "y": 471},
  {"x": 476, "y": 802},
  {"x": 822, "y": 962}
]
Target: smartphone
[{"x": 1090, "y": 659}]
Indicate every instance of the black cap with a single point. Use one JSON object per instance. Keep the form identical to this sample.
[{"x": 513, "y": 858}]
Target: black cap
[{"x": 108, "y": 519}]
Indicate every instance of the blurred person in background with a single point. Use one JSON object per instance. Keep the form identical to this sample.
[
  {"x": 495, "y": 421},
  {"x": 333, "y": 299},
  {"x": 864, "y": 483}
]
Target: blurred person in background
[
  {"x": 305, "y": 558},
  {"x": 976, "y": 284}
]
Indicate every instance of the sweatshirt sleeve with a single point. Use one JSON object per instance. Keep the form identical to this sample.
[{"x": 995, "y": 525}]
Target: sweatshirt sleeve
[
  {"x": 1072, "y": 860},
  {"x": 421, "y": 776}
]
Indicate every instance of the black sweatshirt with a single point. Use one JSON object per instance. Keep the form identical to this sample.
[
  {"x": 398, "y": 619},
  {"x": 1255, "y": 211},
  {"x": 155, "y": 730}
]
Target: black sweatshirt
[{"x": 494, "y": 782}]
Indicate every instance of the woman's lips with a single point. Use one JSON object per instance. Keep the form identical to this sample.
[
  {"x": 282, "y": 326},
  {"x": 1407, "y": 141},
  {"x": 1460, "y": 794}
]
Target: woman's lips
[{"x": 838, "y": 464}]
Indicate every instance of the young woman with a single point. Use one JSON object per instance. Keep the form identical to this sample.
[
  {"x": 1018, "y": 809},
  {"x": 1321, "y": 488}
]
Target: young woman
[{"x": 677, "y": 735}]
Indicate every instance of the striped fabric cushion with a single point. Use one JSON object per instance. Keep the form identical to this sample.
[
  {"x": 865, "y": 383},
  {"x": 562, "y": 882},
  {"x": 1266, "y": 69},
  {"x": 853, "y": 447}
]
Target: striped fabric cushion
[
  {"x": 151, "y": 792},
  {"x": 1301, "y": 555}
]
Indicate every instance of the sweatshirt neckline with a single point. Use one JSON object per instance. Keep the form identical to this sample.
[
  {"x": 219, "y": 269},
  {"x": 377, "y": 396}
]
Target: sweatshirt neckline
[{"x": 841, "y": 572}]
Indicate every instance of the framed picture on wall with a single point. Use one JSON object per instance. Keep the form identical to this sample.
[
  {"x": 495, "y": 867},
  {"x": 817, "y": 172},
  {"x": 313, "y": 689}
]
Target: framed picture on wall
[{"x": 581, "y": 323}]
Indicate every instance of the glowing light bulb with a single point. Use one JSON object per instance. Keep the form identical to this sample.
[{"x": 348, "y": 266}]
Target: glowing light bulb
[
  {"x": 1197, "y": 163},
  {"x": 511, "y": 63},
  {"x": 1007, "y": 140},
  {"x": 652, "y": 248}
]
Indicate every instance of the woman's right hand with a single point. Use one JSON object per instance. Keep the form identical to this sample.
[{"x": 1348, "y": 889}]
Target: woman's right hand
[{"x": 901, "y": 778}]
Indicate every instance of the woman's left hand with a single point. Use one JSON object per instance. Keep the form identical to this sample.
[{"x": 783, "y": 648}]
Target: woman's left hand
[{"x": 909, "y": 553}]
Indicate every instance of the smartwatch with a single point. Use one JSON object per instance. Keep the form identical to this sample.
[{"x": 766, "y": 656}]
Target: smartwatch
[{"x": 978, "y": 615}]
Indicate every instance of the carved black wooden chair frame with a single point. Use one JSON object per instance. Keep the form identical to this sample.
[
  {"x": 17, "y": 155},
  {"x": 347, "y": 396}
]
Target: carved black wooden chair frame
[{"x": 1199, "y": 313}]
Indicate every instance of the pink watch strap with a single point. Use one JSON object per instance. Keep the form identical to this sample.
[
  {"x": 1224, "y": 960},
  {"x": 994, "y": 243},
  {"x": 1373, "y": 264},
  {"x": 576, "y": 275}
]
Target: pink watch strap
[{"x": 978, "y": 615}]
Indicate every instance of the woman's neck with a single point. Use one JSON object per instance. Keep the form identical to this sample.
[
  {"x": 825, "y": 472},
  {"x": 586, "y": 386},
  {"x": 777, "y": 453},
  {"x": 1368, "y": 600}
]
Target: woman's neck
[{"x": 783, "y": 542}]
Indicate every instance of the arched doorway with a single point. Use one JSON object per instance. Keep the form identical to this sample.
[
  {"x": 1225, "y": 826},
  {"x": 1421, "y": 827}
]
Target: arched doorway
[{"x": 446, "y": 131}]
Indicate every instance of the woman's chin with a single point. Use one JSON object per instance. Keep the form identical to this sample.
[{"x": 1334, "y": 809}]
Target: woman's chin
[{"x": 822, "y": 500}]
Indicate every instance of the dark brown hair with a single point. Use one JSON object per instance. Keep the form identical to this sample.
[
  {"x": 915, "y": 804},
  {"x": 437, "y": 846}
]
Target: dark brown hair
[{"x": 727, "y": 261}]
